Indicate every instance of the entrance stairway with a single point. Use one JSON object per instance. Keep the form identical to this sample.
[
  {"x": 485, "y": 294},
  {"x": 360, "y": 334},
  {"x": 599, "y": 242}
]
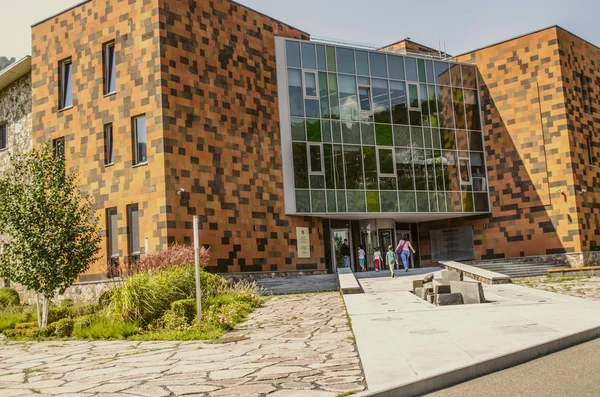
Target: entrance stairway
[
  {"x": 299, "y": 284},
  {"x": 515, "y": 269}
]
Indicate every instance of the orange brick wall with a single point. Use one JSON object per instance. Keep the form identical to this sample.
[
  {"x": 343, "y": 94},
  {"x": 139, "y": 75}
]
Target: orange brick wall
[
  {"x": 80, "y": 34},
  {"x": 221, "y": 127},
  {"x": 527, "y": 144}
]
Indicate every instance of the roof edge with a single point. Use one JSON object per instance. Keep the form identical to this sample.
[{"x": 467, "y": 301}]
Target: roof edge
[
  {"x": 61, "y": 12},
  {"x": 15, "y": 71}
]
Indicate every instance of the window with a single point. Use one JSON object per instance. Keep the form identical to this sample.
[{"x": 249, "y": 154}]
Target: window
[
  {"x": 585, "y": 93},
  {"x": 110, "y": 73},
  {"x": 66, "y": 84},
  {"x": 386, "y": 162},
  {"x": 316, "y": 159},
  {"x": 590, "y": 151},
  {"x": 364, "y": 95},
  {"x": 465, "y": 171},
  {"x": 310, "y": 85},
  {"x": 3, "y": 136},
  {"x": 413, "y": 96},
  {"x": 108, "y": 144},
  {"x": 139, "y": 140},
  {"x": 112, "y": 238},
  {"x": 58, "y": 145},
  {"x": 133, "y": 232}
]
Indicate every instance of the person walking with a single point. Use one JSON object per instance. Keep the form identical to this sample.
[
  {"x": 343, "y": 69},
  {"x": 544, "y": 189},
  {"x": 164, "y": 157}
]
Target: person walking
[
  {"x": 361, "y": 259},
  {"x": 392, "y": 259},
  {"x": 377, "y": 258},
  {"x": 404, "y": 247},
  {"x": 345, "y": 251}
]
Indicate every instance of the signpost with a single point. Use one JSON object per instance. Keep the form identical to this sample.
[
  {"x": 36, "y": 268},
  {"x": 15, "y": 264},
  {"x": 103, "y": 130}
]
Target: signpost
[{"x": 197, "y": 263}]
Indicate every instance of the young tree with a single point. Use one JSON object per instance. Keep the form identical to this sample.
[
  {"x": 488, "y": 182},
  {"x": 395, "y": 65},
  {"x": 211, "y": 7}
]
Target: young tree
[{"x": 47, "y": 228}]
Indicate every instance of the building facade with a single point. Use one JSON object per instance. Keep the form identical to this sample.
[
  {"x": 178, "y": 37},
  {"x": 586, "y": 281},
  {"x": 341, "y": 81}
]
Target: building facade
[{"x": 285, "y": 146}]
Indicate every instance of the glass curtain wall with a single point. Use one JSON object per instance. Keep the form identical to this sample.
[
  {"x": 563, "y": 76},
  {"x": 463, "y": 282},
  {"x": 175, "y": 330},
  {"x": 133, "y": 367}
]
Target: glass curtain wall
[{"x": 377, "y": 132}]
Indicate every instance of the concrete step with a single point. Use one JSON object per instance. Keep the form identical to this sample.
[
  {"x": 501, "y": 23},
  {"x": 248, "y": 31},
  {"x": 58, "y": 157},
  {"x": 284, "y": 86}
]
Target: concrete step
[
  {"x": 516, "y": 269},
  {"x": 299, "y": 284}
]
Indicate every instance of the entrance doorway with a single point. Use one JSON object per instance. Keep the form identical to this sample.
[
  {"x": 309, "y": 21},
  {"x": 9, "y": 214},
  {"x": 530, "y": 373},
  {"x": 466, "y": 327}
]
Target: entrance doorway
[
  {"x": 386, "y": 238},
  {"x": 337, "y": 239},
  {"x": 399, "y": 234}
]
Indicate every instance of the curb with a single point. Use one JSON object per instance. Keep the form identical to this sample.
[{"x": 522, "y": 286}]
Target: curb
[{"x": 462, "y": 374}]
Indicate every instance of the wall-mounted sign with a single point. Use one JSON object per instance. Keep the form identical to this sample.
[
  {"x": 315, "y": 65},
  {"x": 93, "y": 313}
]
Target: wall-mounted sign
[
  {"x": 453, "y": 244},
  {"x": 303, "y": 241}
]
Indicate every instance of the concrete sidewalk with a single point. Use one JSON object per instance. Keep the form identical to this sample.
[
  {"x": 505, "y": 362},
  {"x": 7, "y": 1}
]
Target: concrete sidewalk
[{"x": 402, "y": 339}]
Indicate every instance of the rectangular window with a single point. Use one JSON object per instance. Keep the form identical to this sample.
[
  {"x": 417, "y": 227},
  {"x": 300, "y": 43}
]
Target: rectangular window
[
  {"x": 108, "y": 144},
  {"x": 316, "y": 159},
  {"x": 386, "y": 162},
  {"x": 58, "y": 145},
  {"x": 66, "y": 84},
  {"x": 590, "y": 151},
  {"x": 465, "y": 171},
  {"x": 3, "y": 136},
  {"x": 413, "y": 96},
  {"x": 310, "y": 85},
  {"x": 139, "y": 140},
  {"x": 133, "y": 232},
  {"x": 584, "y": 84},
  {"x": 112, "y": 238},
  {"x": 364, "y": 95},
  {"x": 110, "y": 73}
]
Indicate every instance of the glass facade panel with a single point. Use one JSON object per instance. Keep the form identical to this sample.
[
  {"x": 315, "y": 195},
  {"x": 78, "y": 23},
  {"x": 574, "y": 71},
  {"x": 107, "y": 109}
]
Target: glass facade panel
[
  {"x": 381, "y": 101},
  {"x": 451, "y": 182},
  {"x": 386, "y": 162},
  {"x": 292, "y": 50},
  {"x": 445, "y": 106},
  {"x": 364, "y": 94},
  {"x": 422, "y": 202},
  {"x": 378, "y": 64},
  {"x": 411, "y": 69},
  {"x": 442, "y": 73},
  {"x": 370, "y": 164},
  {"x": 309, "y": 60},
  {"x": 469, "y": 76},
  {"x": 338, "y": 169},
  {"x": 368, "y": 133},
  {"x": 336, "y": 132},
  {"x": 317, "y": 182},
  {"x": 333, "y": 96},
  {"x": 404, "y": 169},
  {"x": 420, "y": 169},
  {"x": 455, "y": 75},
  {"x": 389, "y": 202},
  {"x": 300, "y": 165},
  {"x": 345, "y": 60},
  {"x": 476, "y": 141},
  {"x": 467, "y": 202},
  {"x": 459, "y": 108},
  {"x": 356, "y": 201},
  {"x": 351, "y": 132},
  {"x": 326, "y": 130},
  {"x": 399, "y": 102},
  {"x": 413, "y": 96},
  {"x": 328, "y": 162},
  {"x": 324, "y": 95},
  {"x": 295, "y": 92},
  {"x": 341, "y": 201},
  {"x": 331, "y": 201},
  {"x": 472, "y": 110},
  {"x": 429, "y": 163},
  {"x": 430, "y": 73},
  {"x": 298, "y": 129},
  {"x": 421, "y": 70},
  {"x": 416, "y": 134},
  {"x": 312, "y": 107},
  {"x": 373, "y": 201},
  {"x": 407, "y": 201},
  {"x": 461, "y": 140},
  {"x": 321, "y": 63},
  {"x": 331, "y": 64},
  {"x": 313, "y": 130},
  {"x": 396, "y": 67},
  {"x": 315, "y": 158},
  {"x": 480, "y": 202},
  {"x": 362, "y": 63},
  {"x": 348, "y": 97},
  {"x": 387, "y": 183},
  {"x": 318, "y": 201},
  {"x": 383, "y": 135},
  {"x": 303, "y": 200},
  {"x": 354, "y": 167},
  {"x": 310, "y": 84}
]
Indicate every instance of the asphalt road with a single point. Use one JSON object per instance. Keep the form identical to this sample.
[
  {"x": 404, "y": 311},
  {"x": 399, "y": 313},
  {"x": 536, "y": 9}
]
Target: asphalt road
[{"x": 574, "y": 372}]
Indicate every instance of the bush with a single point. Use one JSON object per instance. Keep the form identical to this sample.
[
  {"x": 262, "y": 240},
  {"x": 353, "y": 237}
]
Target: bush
[
  {"x": 171, "y": 320},
  {"x": 83, "y": 310},
  {"x": 14, "y": 315},
  {"x": 31, "y": 324},
  {"x": 30, "y": 332},
  {"x": 176, "y": 255},
  {"x": 68, "y": 302},
  {"x": 104, "y": 298},
  {"x": 64, "y": 328},
  {"x": 102, "y": 327},
  {"x": 83, "y": 321},
  {"x": 185, "y": 308},
  {"x": 58, "y": 313},
  {"x": 211, "y": 285},
  {"x": 9, "y": 297}
]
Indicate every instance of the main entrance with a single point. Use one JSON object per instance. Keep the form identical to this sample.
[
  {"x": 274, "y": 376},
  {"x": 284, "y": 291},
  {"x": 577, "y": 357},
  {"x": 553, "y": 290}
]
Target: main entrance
[{"x": 337, "y": 239}]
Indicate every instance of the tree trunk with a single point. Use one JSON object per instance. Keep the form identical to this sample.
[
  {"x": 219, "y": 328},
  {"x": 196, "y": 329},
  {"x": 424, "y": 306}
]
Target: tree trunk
[
  {"x": 45, "y": 302},
  {"x": 37, "y": 300}
]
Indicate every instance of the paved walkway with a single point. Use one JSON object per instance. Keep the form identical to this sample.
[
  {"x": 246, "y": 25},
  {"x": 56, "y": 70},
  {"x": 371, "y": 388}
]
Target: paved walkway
[
  {"x": 571, "y": 372},
  {"x": 297, "y": 346},
  {"x": 402, "y": 338}
]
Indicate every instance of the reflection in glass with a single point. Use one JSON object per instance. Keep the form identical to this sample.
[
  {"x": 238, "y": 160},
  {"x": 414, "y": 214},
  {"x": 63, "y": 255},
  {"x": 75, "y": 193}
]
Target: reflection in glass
[
  {"x": 399, "y": 102},
  {"x": 442, "y": 74},
  {"x": 481, "y": 202},
  {"x": 445, "y": 106},
  {"x": 354, "y": 167},
  {"x": 455, "y": 75},
  {"x": 465, "y": 172},
  {"x": 454, "y": 201},
  {"x": 317, "y": 182},
  {"x": 333, "y": 96},
  {"x": 441, "y": 196},
  {"x": 422, "y": 202},
  {"x": 472, "y": 110},
  {"x": 300, "y": 165},
  {"x": 312, "y": 107},
  {"x": 324, "y": 95},
  {"x": 356, "y": 201},
  {"x": 396, "y": 67},
  {"x": 430, "y": 73},
  {"x": 331, "y": 201},
  {"x": 389, "y": 202},
  {"x": 469, "y": 76},
  {"x": 345, "y": 60},
  {"x": 331, "y": 64},
  {"x": 439, "y": 169},
  {"x": 318, "y": 201},
  {"x": 478, "y": 172},
  {"x": 448, "y": 139},
  {"x": 348, "y": 98},
  {"x": 364, "y": 94},
  {"x": 313, "y": 130},
  {"x": 383, "y": 135},
  {"x": 373, "y": 201},
  {"x": 467, "y": 202},
  {"x": 292, "y": 52},
  {"x": 309, "y": 60},
  {"x": 362, "y": 63},
  {"x": 336, "y": 132},
  {"x": 295, "y": 92},
  {"x": 401, "y": 136},
  {"x": 413, "y": 96},
  {"x": 429, "y": 163},
  {"x": 298, "y": 130},
  {"x": 381, "y": 101},
  {"x": 435, "y": 133},
  {"x": 407, "y": 201},
  {"x": 368, "y": 133},
  {"x": 411, "y": 69},
  {"x": 461, "y": 140},
  {"x": 420, "y": 169},
  {"x": 370, "y": 164},
  {"x": 328, "y": 161},
  {"x": 416, "y": 134},
  {"x": 421, "y": 70},
  {"x": 338, "y": 167},
  {"x": 341, "y": 201},
  {"x": 404, "y": 169},
  {"x": 424, "y": 97},
  {"x": 432, "y": 105},
  {"x": 387, "y": 183},
  {"x": 451, "y": 181},
  {"x": 302, "y": 201},
  {"x": 378, "y": 65},
  {"x": 351, "y": 132},
  {"x": 427, "y": 137},
  {"x": 476, "y": 141},
  {"x": 459, "y": 107},
  {"x": 386, "y": 161},
  {"x": 321, "y": 65},
  {"x": 310, "y": 81}
]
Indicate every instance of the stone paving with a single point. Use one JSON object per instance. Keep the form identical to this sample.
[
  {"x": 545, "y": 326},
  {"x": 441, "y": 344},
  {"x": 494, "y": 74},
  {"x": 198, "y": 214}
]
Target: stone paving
[
  {"x": 587, "y": 287},
  {"x": 293, "y": 346}
]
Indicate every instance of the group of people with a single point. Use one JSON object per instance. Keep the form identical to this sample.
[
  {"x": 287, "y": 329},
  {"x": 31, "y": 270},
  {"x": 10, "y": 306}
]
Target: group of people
[{"x": 403, "y": 250}]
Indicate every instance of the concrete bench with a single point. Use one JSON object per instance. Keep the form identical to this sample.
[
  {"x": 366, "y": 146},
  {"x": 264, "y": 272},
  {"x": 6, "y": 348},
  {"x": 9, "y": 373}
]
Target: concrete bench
[
  {"x": 575, "y": 271},
  {"x": 348, "y": 282},
  {"x": 476, "y": 273}
]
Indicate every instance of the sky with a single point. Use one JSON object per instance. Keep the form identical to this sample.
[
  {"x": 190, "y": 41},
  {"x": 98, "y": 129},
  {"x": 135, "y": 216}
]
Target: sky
[{"x": 461, "y": 25}]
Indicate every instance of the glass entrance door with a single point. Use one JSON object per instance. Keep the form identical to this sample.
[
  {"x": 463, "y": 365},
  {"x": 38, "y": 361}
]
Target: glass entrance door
[
  {"x": 337, "y": 239},
  {"x": 386, "y": 238}
]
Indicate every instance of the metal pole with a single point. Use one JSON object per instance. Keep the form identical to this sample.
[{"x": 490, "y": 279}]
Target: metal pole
[
  {"x": 197, "y": 262},
  {"x": 146, "y": 246}
]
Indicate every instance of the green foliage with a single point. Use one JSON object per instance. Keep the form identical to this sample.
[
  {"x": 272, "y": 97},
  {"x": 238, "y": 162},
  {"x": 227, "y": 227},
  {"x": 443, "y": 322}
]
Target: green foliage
[
  {"x": 59, "y": 312},
  {"x": 9, "y": 297},
  {"x": 185, "y": 308},
  {"x": 50, "y": 233},
  {"x": 30, "y": 332},
  {"x": 104, "y": 298},
  {"x": 14, "y": 315},
  {"x": 101, "y": 326},
  {"x": 64, "y": 328},
  {"x": 30, "y": 324},
  {"x": 171, "y": 320},
  {"x": 68, "y": 302},
  {"x": 84, "y": 309},
  {"x": 145, "y": 297}
]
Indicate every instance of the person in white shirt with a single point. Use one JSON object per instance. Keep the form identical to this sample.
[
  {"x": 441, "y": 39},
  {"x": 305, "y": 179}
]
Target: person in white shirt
[
  {"x": 361, "y": 259},
  {"x": 377, "y": 258}
]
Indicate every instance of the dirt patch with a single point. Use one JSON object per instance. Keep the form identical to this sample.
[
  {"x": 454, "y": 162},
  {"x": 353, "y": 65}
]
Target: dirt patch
[{"x": 587, "y": 287}]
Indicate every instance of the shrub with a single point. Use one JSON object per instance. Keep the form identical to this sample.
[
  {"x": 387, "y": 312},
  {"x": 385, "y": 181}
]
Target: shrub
[
  {"x": 9, "y": 297},
  {"x": 14, "y": 315},
  {"x": 104, "y": 298},
  {"x": 102, "y": 327},
  {"x": 58, "y": 313},
  {"x": 176, "y": 255},
  {"x": 211, "y": 285},
  {"x": 31, "y": 324},
  {"x": 172, "y": 320},
  {"x": 83, "y": 321},
  {"x": 64, "y": 328},
  {"x": 85, "y": 309},
  {"x": 185, "y": 308},
  {"x": 68, "y": 302}
]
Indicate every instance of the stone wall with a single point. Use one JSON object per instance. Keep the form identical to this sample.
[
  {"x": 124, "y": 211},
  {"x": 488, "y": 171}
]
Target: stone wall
[
  {"x": 15, "y": 111},
  {"x": 80, "y": 292},
  {"x": 574, "y": 259},
  {"x": 251, "y": 276}
]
